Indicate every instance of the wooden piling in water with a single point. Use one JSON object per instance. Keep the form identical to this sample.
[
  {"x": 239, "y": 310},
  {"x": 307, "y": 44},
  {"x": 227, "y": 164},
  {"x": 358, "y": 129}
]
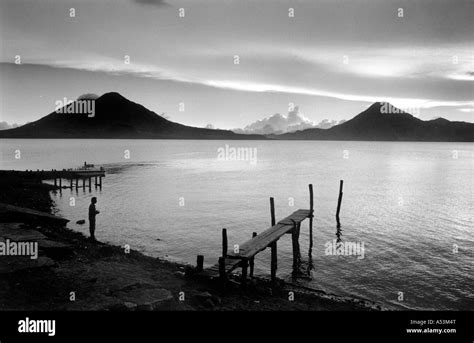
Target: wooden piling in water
[
  {"x": 311, "y": 208},
  {"x": 200, "y": 263},
  {"x": 295, "y": 235},
  {"x": 252, "y": 260},
  {"x": 245, "y": 265},
  {"x": 272, "y": 211},
  {"x": 222, "y": 273},
  {"x": 273, "y": 246},
  {"x": 55, "y": 183},
  {"x": 339, "y": 200},
  {"x": 84, "y": 183},
  {"x": 224, "y": 243},
  {"x": 90, "y": 184},
  {"x": 60, "y": 183},
  {"x": 274, "y": 261}
]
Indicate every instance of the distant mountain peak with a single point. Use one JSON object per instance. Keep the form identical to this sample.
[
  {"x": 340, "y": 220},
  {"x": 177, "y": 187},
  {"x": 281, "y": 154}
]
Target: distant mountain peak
[
  {"x": 378, "y": 105},
  {"x": 382, "y": 121},
  {"x": 113, "y": 95},
  {"x": 378, "y": 108},
  {"x": 114, "y": 116}
]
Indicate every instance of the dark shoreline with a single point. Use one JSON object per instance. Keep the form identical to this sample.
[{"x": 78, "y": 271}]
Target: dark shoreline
[{"x": 105, "y": 277}]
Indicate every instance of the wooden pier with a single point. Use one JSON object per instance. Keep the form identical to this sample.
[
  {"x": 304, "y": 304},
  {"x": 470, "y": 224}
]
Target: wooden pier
[
  {"x": 72, "y": 176},
  {"x": 243, "y": 255}
]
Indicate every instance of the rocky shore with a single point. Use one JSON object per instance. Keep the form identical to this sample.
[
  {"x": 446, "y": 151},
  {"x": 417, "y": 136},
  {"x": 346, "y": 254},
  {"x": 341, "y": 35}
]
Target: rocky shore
[{"x": 73, "y": 273}]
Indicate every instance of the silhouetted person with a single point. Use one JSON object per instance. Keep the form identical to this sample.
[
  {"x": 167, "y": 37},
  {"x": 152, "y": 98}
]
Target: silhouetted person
[{"x": 92, "y": 213}]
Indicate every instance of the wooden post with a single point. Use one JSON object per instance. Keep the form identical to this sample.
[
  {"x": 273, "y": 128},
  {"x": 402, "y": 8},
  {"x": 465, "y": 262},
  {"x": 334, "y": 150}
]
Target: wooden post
[
  {"x": 272, "y": 210},
  {"x": 222, "y": 274},
  {"x": 311, "y": 209},
  {"x": 224, "y": 243},
  {"x": 84, "y": 183},
  {"x": 77, "y": 183},
  {"x": 70, "y": 183},
  {"x": 245, "y": 265},
  {"x": 199, "y": 263},
  {"x": 60, "y": 183},
  {"x": 100, "y": 181},
  {"x": 273, "y": 246},
  {"x": 293, "y": 244},
  {"x": 274, "y": 262},
  {"x": 252, "y": 260},
  {"x": 295, "y": 234},
  {"x": 90, "y": 184},
  {"x": 55, "y": 183},
  {"x": 339, "y": 200},
  {"x": 95, "y": 181}
]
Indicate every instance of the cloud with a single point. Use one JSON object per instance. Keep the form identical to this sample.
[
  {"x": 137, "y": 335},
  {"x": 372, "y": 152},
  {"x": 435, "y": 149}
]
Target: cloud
[
  {"x": 117, "y": 67},
  {"x": 5, "y": 126},
  {"x": 327, "y": 124},
  {"x": 152, "y": 2},
  {"x": 277, "y": 124},
  {"x": 276, "y": 88},
  {"x": 87, "y": 96}
]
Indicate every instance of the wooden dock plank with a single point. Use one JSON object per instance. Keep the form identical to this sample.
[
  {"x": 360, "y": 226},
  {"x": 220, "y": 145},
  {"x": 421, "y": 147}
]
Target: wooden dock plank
[
  {"x": 256, "y": 244},
  {"x": 297, "y": 216}
]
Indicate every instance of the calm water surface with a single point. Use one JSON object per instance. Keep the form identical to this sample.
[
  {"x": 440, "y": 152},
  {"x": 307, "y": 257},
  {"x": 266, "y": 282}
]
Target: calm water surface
[{"x": 410, "y": 203}]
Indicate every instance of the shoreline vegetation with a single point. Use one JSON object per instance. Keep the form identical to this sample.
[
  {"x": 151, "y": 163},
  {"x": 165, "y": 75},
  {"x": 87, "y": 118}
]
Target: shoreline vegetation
[{"x": 73, "y": 273}]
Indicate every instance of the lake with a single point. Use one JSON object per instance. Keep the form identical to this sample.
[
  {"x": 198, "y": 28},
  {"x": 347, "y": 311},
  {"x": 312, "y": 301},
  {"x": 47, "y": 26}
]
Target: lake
[{"x": 410, "y": 204}]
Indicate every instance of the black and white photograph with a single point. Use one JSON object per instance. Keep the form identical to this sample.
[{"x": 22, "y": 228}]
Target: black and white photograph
[{"x": 216, "y": 162}]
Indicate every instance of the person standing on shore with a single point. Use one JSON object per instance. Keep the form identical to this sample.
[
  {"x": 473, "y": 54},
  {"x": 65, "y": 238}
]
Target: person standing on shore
[{"x": 92, "y": 213}]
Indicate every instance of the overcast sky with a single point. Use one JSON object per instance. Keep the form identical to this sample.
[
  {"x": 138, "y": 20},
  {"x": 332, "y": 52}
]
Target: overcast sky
[{"x": 332, "y": 58}]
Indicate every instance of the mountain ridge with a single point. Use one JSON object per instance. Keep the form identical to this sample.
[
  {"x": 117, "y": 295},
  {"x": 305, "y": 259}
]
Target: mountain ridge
[
  {"x": 116, "y": 117},
  {"x": 374, "y": 124}
]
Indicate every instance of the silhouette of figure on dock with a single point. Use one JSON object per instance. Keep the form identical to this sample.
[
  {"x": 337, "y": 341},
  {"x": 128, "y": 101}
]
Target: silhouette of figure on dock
[{"x": 92, "y": 213}]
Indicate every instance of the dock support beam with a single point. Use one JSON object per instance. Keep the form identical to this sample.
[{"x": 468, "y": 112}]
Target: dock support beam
[
  {"x": 60, "y": 183},
  {"x": 199, "y": 263},
  {"x": 90, "y": 184},
  {"x": 222, "y": 273},
  {"x": 274, "y": 262},
  {"x": 55, "y": 182},
  {"x": 339, "y": 200},
  {"x": 77, "y": 183},
  {"x": 252, "y": 260},
  {"x": 224, "y": 243},
  {"x": 84, "y": 183},
  {"x": 245, "y": 265},
  {"x": 311, "y": 215},
  {"x": 295, "y": 234},
  {"x": 273, "y": 246}
]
